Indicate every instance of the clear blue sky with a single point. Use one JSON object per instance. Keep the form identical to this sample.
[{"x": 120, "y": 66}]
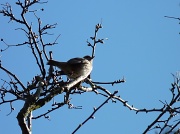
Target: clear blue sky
[{"x": 143, "y": 46}]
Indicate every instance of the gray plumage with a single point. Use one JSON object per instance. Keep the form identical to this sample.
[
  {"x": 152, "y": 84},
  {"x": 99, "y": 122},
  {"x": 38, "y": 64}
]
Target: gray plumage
[{"x": 74, "y": 67}]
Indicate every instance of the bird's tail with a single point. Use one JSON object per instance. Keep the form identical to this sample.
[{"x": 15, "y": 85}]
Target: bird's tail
[{"x": 56, "y": 63}]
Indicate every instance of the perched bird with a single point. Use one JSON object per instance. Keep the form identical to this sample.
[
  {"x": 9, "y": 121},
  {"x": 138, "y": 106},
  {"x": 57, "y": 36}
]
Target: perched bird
[{"x": 74, "y": 67}]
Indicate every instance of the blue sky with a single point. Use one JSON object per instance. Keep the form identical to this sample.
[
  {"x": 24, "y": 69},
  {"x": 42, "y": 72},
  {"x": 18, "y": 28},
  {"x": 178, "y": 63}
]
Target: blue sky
[{"x": 142, "y": 46}]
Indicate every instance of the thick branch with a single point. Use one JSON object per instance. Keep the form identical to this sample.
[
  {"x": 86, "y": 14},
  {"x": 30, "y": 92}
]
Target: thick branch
[
  {"x": 21, "y": 117},
  {"x": 31, "y": 104}
]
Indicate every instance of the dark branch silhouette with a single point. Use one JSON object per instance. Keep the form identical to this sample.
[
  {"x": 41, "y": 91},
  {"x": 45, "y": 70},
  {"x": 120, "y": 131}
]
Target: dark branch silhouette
[{"x": 49, "y": 82}]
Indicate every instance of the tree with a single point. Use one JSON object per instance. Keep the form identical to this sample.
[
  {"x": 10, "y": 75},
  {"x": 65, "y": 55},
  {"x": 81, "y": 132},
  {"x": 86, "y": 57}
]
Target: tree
[{"x": 48, "y": 83}]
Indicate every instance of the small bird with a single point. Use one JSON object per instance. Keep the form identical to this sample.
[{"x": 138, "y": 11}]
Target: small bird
[{"x": 74, "y": 67}]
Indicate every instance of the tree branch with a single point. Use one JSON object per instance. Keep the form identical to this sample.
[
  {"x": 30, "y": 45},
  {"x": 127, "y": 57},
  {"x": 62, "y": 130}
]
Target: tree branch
[{"x": 95, "y": 110}]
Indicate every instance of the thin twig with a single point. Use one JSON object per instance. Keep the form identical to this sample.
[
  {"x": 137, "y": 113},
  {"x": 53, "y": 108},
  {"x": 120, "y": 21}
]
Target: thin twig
[
  {"x": 95, "y": 110},
  {"x": 14, "y": 76}
]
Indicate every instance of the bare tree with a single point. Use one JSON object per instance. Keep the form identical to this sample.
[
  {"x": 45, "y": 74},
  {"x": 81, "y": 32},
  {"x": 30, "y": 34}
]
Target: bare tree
[{"x": 49, "y": 83}]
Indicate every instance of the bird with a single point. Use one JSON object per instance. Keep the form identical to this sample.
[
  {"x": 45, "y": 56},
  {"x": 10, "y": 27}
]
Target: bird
[{"x": 74, "y": 67}]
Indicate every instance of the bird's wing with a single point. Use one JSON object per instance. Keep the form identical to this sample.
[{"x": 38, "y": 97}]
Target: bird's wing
[{"x": 76, "y": 61}]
